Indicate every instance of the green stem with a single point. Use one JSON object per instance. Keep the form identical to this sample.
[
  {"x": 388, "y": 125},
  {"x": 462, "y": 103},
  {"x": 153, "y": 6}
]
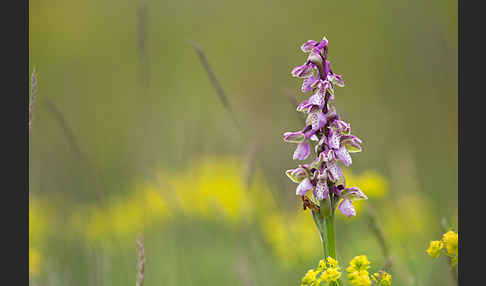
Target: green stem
[
  {"x": 327, "y": 214},
  {"x": 324, "y": 221},
  {"x": 319, "y": 220},
  {"x": 331, "y": 240}
]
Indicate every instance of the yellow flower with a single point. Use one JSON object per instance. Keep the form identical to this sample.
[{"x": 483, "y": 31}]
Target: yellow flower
[
  {"x": 382, "y": 278},
  {"x": 353, "y": 273},
  {"x": 359, "y": 277},
  {"x": 450, "y": 240},
  {"x": 360, "y": 262},
  {"x": 322, "y": 264},
  {"x": 434, "y": 248},
  {"x": 310, "y": 276},
  {"x": 331, "y": 274},
  {"x": 331, "y": 262}
]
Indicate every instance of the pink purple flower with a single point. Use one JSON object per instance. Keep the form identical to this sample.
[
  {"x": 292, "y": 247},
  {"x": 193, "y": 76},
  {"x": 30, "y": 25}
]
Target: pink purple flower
[{"x": 335, "y": 143}]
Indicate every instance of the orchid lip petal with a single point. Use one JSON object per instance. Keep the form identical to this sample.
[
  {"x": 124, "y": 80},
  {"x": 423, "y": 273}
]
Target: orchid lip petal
[
  {"x": 333, "y": 139},
  {"x": 346, "y": 208},
  {"x": 343, "y": 155},
  {"x": 335, "y": 172},
  {"x": 302, "y": 151},
  {"x": 304, "y": 187},
  {"x": 322, "y": 190},
  {"x": 316, "y": 119},
  {"x": 307, "y": 84}
]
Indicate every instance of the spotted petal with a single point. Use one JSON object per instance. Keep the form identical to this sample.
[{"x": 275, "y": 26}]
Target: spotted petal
[
  {"x": 343, "y": 155},
  {"x": 341, "y": 127},
  {"x": 346, "y": 208},
  {"x": 335, "y": 172},
  {"x": 304, "y": 187},
  {"x": 322, "y": 190},
  {"x": 333, "y": 139},
  {"x": 318, "y": 99},
  {"x": 302, "y": 151},
  {"x": 316, "y": 119},
  {"x": 308, "y": 84}
]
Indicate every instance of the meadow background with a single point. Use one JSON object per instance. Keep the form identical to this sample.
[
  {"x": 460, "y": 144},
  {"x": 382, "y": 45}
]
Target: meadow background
[{"x": 130, "y": 136}]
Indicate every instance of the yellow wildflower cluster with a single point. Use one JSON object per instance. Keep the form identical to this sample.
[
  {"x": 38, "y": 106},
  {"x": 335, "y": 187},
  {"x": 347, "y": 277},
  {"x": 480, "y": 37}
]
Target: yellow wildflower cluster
[
  {"x": 358, "y": 274},
  {"x": 450, "y": 240},
  {"x": 435, "y": 247},
  {"x": 211, "y": 188},
  {"x": 382, "y": 278},
  {"x": 215, "y": 189},
  {"x": 122, "y": 216},
  {"x": 329, "y": 272},
  {"x": 358, "y": 271}
]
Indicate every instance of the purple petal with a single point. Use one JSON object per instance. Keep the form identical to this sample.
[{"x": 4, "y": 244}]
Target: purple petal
[
  {"x": 302, "y": 151},
  {"x": 323, "y": 86},
  {"x": 327, "y": 154},
  {"x": 294, "y": 137},
  {"x": 304, "y": 187},
  {"x": 303, "y": 105},
  {"x": 341, "y": 126},
  {"x": 337, "y": 80},
  {"x": 343, "y": 155},
  {"x": 303, "y": 71},
  {"x": 297, "y": 174},
  {"x": 322, "y": 44},
  {"x": 352, "y": 143},
  {"x": 333, "y": 139},
  {"x": 317, "y": 119},
  {"x": 353, "y": 194},
  {"x": 318, "y": 99},
  {"x": 335, "y": 172},
  {"x": 307, "y": 46},
  {"x": 346, "y": 208},
  {"x": 322, "y": 190},
  {"x": 308, "y": 83}
]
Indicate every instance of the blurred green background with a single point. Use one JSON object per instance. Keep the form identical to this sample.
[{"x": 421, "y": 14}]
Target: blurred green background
[{"x": 129, "y": 136}]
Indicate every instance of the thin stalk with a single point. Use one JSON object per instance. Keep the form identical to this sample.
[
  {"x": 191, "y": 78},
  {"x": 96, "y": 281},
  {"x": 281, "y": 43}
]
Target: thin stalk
[
  {"x": 331, "y": 239},
  {"x": 327, "y": 224},
  {"x": 318, "y": 220}
]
